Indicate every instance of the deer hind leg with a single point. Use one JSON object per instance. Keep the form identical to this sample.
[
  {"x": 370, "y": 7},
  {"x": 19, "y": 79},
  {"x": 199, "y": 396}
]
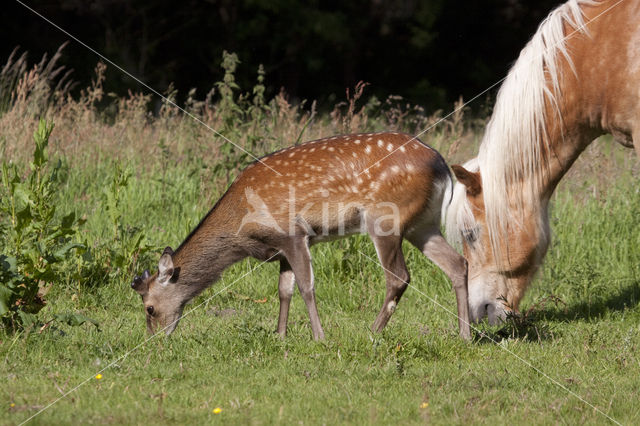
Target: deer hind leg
[
  {"x": 435, "y": 247},
  {"x": 285, "y": 291},
  {"x": 299, "y": 257},
  {"x": 389, "y": 249}
]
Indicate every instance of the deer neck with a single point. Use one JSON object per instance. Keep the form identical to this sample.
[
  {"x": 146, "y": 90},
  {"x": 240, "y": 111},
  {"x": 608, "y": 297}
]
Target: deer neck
[{"x": 211, "y": 247}]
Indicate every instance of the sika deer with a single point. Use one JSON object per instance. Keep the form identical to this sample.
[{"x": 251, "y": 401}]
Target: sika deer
[{"x": 388, "y": 185}]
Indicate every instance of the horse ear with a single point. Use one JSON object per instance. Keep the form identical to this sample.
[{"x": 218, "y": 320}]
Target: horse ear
[
  {"x": 165, "y": 269},
  {"x": 471, "y": 180}
]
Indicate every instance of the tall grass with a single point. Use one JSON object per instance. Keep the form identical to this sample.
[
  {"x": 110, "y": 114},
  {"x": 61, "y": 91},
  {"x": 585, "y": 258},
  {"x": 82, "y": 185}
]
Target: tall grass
[{"x": 95, "y": 123}]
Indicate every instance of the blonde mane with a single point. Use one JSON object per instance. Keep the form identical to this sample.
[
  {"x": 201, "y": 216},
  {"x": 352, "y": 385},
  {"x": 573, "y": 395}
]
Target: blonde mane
[
  {"x": 514, "y": 147},
  {"x": 458, "y": 216}
]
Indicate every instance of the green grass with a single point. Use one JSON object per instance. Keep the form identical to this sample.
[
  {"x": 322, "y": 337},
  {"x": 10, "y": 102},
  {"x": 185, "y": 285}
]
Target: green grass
[{"x": 225, "y": 352}]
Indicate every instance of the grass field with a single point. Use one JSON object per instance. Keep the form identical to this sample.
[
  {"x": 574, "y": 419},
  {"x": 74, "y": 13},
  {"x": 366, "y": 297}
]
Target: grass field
[{"x": 572, "y": 360}]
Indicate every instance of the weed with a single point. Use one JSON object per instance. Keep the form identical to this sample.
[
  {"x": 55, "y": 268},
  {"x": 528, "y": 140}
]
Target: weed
[
  {"x": 127, "y": 243},
  {"x": 524, "y": 325},
  {"x": 35, "y": 241},
  {"x": 350, "y": 120}
]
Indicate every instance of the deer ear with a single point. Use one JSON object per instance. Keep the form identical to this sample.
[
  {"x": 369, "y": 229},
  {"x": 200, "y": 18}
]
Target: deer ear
[
  {"x": 165, "y": 269},
  {"x": 471, "y": 180},
  {"x": 138, "y": 284}
]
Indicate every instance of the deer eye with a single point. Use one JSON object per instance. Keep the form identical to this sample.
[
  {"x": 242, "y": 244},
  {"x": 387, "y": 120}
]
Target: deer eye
[{"x": 150, "y": 310}]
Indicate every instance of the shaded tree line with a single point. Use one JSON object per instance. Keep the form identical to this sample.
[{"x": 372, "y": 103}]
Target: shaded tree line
[{"x": 428, "y": 51}]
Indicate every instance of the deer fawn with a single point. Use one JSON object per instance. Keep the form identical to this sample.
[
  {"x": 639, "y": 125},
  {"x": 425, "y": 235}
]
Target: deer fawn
[{"x": 389, "y": 185}]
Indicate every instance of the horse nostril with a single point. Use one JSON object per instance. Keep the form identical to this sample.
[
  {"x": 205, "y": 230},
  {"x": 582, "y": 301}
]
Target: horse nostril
[{"x": 150, "y": 310}]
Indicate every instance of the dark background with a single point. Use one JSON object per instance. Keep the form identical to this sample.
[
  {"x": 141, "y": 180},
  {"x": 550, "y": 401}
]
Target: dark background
[{"x": 429, "y": 51}]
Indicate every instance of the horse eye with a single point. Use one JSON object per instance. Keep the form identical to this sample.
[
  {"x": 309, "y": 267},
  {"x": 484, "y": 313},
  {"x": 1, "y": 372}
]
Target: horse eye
[
  {"x": 471, "y": 235},
  {"x": 150, "y": 310}
]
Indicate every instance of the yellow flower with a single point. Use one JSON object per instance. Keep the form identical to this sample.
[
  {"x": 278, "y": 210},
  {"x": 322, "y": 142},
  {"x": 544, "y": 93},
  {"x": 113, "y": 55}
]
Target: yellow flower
[
  {"x": 217, "y": 410},
  {"x": 424, "y": 405},
  {"x": 12, "y": 405},
  {"x": 98, "y": 376}
]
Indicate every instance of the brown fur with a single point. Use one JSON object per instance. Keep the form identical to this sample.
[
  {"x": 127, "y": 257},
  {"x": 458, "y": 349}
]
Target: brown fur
[{"x": 322, "y": 189}]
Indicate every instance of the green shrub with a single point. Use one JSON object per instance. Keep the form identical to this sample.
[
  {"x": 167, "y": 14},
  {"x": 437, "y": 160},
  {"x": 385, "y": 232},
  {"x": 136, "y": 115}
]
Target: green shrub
[
  {"x": 127, "y": 244},
  {"x": 35, "y": 241}
]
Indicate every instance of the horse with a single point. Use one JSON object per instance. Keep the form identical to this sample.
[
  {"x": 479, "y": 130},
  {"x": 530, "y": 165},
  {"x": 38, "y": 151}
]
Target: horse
[{"x": 575, "y": 80}]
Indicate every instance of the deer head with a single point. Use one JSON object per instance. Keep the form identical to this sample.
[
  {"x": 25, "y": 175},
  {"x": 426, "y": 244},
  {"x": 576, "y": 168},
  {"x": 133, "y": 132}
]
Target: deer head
[{"x": 163, "y": 297}]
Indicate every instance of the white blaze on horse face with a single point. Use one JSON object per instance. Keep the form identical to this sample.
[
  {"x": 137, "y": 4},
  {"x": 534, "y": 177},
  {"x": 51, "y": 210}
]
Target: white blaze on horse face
[{"x": 484, "y": 299}]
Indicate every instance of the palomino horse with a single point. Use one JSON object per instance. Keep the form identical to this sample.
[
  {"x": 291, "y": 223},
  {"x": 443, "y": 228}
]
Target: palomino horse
[{"x": 578, "y": 78}]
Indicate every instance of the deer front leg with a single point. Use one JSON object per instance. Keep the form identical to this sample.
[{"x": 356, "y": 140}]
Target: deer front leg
[
  {"x": 436, "y": 248},
  {"x": 285, "y": 291},
  {"x": 299, "y": 258},
  {"x": 389, "y": 249}
]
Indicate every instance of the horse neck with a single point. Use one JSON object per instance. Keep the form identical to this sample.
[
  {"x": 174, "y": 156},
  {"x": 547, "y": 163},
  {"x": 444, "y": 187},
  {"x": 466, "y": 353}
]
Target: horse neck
[
  {"x": 566, "y": 141},
  {"x": 595, "y": 90},
  {"x": 528, "y": 186}
]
